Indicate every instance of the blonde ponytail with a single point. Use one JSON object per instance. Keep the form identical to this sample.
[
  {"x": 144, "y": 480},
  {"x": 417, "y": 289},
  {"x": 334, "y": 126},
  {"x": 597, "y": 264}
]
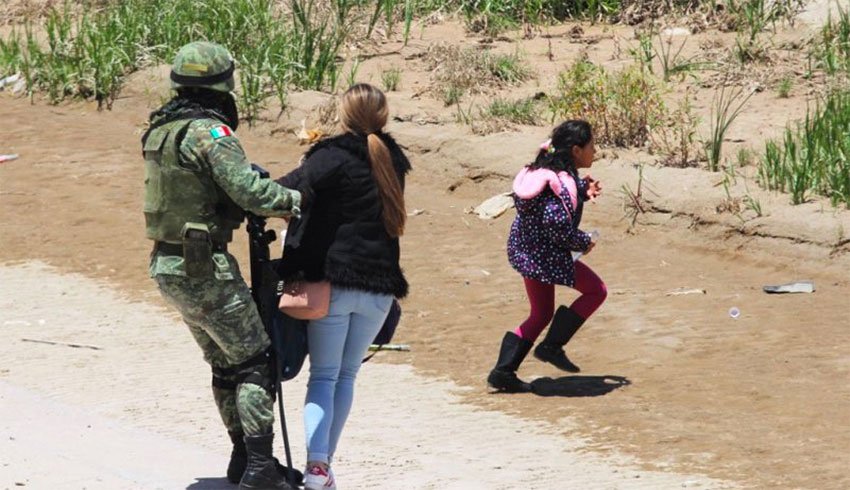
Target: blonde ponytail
[
  {"x": 364, "y": 110},
  {"x": 389, "y": 187}
]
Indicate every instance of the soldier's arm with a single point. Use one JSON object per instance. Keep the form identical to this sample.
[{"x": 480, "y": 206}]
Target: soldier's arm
[{"x": 233, "y": 174}]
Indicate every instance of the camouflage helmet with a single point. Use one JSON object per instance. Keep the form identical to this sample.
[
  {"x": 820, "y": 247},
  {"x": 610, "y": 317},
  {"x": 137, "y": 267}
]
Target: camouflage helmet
[{"x": 203, "y": 64}]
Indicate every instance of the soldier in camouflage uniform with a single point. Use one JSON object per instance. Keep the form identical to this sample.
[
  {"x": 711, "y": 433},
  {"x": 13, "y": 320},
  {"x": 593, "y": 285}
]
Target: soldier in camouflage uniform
[{"x": 198, "y": 185}]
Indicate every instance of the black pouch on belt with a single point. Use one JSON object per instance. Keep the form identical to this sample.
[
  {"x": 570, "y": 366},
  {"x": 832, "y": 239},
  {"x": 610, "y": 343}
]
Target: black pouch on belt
[{"x": 197, "y": 250}]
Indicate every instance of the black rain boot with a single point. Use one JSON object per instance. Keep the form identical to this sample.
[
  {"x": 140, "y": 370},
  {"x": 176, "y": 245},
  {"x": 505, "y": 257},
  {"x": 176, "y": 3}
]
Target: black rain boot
[
  {"x": 261, "y": 472},
  {"x": 503, "y": 377},
  {"x": 565, "y": 324},
  {"x": 238, "y": 458}
]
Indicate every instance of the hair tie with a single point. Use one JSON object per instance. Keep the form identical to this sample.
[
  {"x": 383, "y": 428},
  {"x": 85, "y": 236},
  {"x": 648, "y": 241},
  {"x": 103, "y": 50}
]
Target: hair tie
[{"x": 547, "y": 146}]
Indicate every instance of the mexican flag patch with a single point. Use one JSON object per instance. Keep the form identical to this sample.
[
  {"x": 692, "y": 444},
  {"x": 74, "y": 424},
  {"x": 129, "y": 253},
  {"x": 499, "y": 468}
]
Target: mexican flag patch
[{"x": 220, "y": 132}]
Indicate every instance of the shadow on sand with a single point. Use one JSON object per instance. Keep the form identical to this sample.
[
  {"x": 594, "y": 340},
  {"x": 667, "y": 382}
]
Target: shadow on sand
[
  {"x": 577, "y": 386},
  {"x": 211, "y": 484}
]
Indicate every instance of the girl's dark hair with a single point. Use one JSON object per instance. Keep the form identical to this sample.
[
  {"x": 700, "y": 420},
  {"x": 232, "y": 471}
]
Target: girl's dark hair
[{"x": 565, "y": 136}]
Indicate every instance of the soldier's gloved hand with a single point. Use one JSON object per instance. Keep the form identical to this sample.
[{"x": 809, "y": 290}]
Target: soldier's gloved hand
[{"x": 297, "y": 204}]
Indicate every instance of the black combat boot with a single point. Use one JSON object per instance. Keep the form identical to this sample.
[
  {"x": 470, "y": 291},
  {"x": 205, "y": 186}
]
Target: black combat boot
[
  {"x": 503, "y": 377},
  {"x": 565, "y": 324},
  {"x": 261, "y": 472},
  {"x": 238, "y": 458}
]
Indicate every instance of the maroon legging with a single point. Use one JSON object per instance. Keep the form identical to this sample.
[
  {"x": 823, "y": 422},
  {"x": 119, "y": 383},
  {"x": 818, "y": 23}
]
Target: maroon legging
[{"x": 541, "y": 296}]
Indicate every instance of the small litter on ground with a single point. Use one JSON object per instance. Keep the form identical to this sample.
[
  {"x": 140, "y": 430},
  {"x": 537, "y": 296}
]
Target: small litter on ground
[
  {"x": 495, "y": 206},
  {"x": 791, "y": 287},
  {"x": 684, "y": 291}
]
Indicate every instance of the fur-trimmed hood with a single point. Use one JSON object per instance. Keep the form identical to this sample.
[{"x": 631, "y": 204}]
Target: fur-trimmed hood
[{"x": 358, "y": 146}]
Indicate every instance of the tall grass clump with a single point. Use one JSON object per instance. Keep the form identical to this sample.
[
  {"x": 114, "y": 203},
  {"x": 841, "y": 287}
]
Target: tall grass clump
[
  {"x": 833, "y": 53},
  {"x": 391, "y": 78},
  {"x": 726, "y": 106},
  {"x": 623, "y": 106},
  {"x": 88, "y": 55},
  {"x": 499, "y": 115},
  {"x": 814, "y": 157},
  {"x": 520, "y": 111},
  {"x": 751, "y": 17}
]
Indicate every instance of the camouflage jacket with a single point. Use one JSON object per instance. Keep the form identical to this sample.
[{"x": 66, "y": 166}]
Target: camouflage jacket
[{"x": 210, "y": 144}]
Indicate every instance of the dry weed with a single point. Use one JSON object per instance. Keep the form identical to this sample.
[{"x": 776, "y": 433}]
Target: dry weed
[
  {"x": 327, "y": 116},
  {"x": 457, "y": 71},
  {"x": 19, "y": 11},
  {"x": 675, "y": 141}
]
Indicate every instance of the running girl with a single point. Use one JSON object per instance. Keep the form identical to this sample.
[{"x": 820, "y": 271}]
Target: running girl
[{"x": 549, "y": 197}]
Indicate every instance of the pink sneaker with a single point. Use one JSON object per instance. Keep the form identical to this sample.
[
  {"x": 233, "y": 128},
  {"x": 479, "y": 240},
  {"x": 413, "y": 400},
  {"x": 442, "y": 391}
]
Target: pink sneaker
[{"x": 317, "y": 478}]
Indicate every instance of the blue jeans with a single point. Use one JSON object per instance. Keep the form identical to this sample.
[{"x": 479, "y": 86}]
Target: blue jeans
[{"x": 338, "y": 343}]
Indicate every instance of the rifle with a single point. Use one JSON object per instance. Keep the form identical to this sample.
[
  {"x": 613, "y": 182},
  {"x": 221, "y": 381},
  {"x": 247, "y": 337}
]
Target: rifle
[{"x": 265, "y": 289}]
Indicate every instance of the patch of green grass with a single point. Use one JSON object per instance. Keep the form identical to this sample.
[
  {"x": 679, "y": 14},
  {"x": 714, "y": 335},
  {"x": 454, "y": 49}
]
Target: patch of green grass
[
  {"x": 814, "y": 157},
  {"x": 499, "y": 115},
  {"x": 391, "y": 79},
  {"x": 745, "y": 157},
  {"x": 520, "y": 111},
  {"x": 507, "y": 68},
  {"x": 452, "y": 95},
  {"x": 832, "y": 54},
  {"x": 783, "y": 89},
  {"x": 353, "y": 70},
  {"x": 751, "y": 17}
]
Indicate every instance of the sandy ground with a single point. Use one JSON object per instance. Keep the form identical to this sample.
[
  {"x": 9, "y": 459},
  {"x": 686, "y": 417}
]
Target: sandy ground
[
  {"x": 150, "y": 423},
  {"x": 758, "y": 400},
  {"x": 671, "y": 384}
]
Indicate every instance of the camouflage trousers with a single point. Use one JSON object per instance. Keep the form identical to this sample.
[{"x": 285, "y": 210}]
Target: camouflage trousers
[{"x": 224, "y": 320}]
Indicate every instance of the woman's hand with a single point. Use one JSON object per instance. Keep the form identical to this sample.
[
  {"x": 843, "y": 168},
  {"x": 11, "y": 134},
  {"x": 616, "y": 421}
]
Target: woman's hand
[
  {"x": 589, "y": 248},
  {"x": 594, "y": 188}
]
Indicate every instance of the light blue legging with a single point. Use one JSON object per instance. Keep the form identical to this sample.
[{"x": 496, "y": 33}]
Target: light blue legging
[{"x": 338, "y": 343}]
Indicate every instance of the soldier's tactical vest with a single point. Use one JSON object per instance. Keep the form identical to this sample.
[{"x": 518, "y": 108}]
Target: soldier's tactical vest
[{"x": 177, "y": 192}]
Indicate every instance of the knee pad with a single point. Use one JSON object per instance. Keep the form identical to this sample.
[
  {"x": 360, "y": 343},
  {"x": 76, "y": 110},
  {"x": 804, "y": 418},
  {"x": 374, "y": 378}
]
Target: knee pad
[{"x": 256, "y": 370}]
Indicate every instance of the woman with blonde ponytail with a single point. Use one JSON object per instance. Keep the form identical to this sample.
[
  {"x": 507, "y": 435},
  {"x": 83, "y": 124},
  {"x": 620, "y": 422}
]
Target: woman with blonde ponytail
[{"x": 348, "y": 235}]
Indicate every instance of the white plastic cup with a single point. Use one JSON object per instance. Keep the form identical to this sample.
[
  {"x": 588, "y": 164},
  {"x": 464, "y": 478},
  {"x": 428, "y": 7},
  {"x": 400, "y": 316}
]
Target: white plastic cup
[{"x": 734, "y": 312}]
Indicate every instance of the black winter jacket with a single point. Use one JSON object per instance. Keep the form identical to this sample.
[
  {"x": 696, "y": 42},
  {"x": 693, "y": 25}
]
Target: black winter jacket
[{"x": 340, "y": 236}]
